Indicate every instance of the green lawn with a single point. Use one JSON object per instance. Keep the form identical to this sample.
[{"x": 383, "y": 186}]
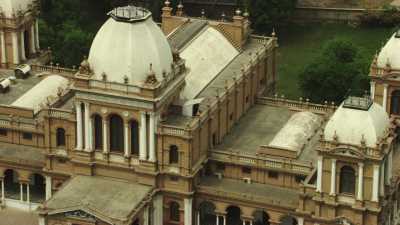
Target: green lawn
[{"x": 301, "y": 44}]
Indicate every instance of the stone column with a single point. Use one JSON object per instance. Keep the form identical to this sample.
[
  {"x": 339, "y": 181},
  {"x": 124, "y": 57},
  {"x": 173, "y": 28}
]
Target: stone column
[
  {"x": 42, "y": 220},
  {"x": 105, "y": 136},
  {"x": 375, "y": 184},
  {"x": 3, "y": 48},
  {"x": 146, "y": 216},
  {"x": 244, "y": 222},
  {"x": 21, "y": 192},
  {"x": 37, "y": 34},
  {"x": 333, "y": 177},
  {"x": 360, "y": 181},
  {"x": 158, "y": 210},
  {"x": 143, "y": 136},
  {"x": 28, "y": 197},
  {"x": 152, "y": 138},
  {"x": 217, "y": 218},
  {"x": 127, "y": 151},
  {"x": 79, "y": 132},
  {"x": 372, "y": 86},
  {"x": 198, "y": 217},
  {"x": 15, "y": 48},
  {"x": 3, "y": 196},
  {"x": 188, "y": 211},
  {"x": 224, "y": 219},
  {"x": 382, "y": 179},
  {"x": 48, "y": 187},
  {"x": 22, "y": 44},
  {"x": 88, "y": 126},
  {"x": 389, "y": 167},
  {"x": 319, "y": 174},
  {"x": 385, "y": 92},
  {"x": 300, "y": 221},
  {"x": 33, "y": 37}
]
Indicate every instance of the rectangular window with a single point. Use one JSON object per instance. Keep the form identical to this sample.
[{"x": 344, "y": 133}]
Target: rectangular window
[
  {"x": 220, "y": 166},
  {"x": 214, "y": 139},
  {"x": 173, "y": 178},
  {"x": 273, "y": 174},
  {"x": 3, "y": 132},
  {"x": 246, "y": 170},
  {"x": 300, "y": 178},
  {"x": 27, "y": 136},
  {"x": 231, "y": 116}
]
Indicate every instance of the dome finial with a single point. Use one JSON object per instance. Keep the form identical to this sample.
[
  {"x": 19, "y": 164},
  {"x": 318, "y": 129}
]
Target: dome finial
[
  {"x": 203, "y": 13},
  {"x": 179, "y": 11}
]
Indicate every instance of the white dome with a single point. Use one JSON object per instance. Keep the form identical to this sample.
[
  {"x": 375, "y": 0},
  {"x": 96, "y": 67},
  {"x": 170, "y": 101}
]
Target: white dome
[
  {"x": 127, "y": 44},
  {"x": 351, "y": 124},
  {"x": 10, "y": 6},
  {"x": 390, "y": 53}
]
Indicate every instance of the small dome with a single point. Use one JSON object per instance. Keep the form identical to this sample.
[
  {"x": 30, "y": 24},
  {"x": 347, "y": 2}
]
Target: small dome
[
  {"x": 8, "y": 7},
  {"x": 390, "y": 53},
  {"x": 352, "y": 125},
  {"x": 127, "y": 44}
]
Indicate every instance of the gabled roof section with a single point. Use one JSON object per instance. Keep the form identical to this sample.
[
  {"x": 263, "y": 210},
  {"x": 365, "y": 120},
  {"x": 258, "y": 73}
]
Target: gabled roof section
[
  {"x": 185, "y": 33},
  {"x": 108, "y": 199}
]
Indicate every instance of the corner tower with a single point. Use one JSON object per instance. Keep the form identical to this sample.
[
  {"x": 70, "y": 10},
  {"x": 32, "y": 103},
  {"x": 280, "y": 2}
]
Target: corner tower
[{"x": 19, "y": 34}]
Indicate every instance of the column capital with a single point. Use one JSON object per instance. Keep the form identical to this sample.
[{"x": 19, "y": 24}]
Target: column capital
[
  {"x": 333, "y": 160},
  {"x": 360, "y": 164},
  {"x": 385, "y": 85}
]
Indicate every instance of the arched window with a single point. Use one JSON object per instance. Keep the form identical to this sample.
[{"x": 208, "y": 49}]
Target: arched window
[
  {"x": 173, "y": 154},
  {"x": 60, "y": 136},
  {"x": 98, "y": 132},
  {"x": 347, "y": 180},
  {"x": 174, "y": 214},
  {"x": 134, "y": 137},
  {"x": 116, "y": 134},
  {"x": 395, "y": 103}
]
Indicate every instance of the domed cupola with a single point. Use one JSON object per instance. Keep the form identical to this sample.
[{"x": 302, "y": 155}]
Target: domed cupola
[
  {"x": 358, "y": 121},
  {"x": 127, "y": 45},
  {"x": 390, "y": 53}
]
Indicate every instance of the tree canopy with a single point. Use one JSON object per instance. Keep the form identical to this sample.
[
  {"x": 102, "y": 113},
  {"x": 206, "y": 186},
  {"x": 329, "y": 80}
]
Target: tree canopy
[{"x": 340, "y": 70}]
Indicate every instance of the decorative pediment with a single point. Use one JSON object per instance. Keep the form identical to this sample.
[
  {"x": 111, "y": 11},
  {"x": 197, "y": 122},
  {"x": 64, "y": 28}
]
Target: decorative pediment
[
  {"x": 348, "y": 152},
  {"x": 79, "y": 214}
]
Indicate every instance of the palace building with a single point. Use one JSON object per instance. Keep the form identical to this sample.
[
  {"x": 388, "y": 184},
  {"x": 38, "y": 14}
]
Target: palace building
[{"x": 180, "y": 124}]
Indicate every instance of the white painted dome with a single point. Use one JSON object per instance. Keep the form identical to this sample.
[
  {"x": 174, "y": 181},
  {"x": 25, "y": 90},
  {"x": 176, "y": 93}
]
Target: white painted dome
[
  {"x": 10, "y": 6},
  {"x": 391, "y": 53},
  {"x": 351, "y": 124},
  {"x": 127, "y": 44}
]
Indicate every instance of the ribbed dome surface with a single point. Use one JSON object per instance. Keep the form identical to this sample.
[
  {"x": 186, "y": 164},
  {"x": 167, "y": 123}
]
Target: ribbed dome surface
[
  {"x": 10, "y": 6},
  {"x": 127, "y": 48},
  {"x": 390, "y": 53}
]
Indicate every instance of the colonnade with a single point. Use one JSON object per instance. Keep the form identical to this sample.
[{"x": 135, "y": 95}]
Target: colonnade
[
  {"x": 18, "y": 43},
  {"x": 147, "y": 133},
  {"x": 378, "y": 179}
]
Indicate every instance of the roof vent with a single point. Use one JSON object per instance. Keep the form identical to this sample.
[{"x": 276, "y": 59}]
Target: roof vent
[{"x": 360, "y": 103}]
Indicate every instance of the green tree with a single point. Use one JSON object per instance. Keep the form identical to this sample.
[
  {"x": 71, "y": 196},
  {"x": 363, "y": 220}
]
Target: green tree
[
  {"x": 339, "y": 71},
  {"x": 266, "y": 14}
]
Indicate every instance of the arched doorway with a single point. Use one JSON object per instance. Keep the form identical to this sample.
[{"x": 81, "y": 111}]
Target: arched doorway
[
  {"x": 98, "y": 132},
  {"x": 233, "y": 214},
  {"x": 134, "y": 137},
  {"x": 207, "y": 213},
  {"x": 37, "y": 188},
  {"x": 27, "y": 43},
  {"x": 11, "y": 184},
  {"x": 288, "y": 220},
  {"x": 116, "y": 134},
  {"x": 395, "y": 103},
  {"x": 260, "y": 218}
]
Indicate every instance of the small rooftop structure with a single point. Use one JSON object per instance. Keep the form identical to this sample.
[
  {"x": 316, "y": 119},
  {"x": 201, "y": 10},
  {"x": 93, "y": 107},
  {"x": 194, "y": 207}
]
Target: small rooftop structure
[
  {"x": 297, "y": 132},
  {"x": 130, "y": 14},
  {"x": 42, "y": 93},
  {"x": 357, "y": 125},
  {"x": 361, "y": 103}
]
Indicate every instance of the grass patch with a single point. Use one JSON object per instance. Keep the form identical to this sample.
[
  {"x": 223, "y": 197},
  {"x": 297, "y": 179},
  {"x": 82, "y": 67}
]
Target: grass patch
[{"x": 301, "y": 44}]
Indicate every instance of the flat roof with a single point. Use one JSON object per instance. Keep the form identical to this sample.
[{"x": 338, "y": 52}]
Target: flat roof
[
  {"x": 257, "y": 127},
  {"x": 18, "y": 89},
  {"x": 99, "y": 196},
  {"x": 275, "y": 195}
]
